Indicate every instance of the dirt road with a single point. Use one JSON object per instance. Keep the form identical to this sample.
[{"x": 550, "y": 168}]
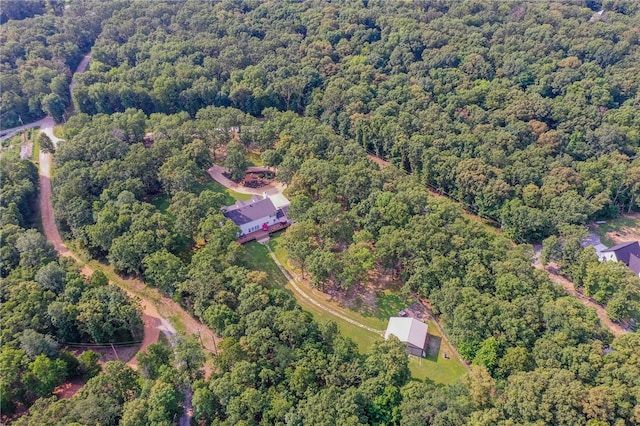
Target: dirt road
[
  {"x": 155, "y": 306},
  {"x": 615, "y": 328}
]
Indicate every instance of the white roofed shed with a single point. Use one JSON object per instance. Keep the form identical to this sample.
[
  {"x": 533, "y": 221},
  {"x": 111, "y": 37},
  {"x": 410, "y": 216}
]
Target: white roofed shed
[{"x": 410, "y": 331}]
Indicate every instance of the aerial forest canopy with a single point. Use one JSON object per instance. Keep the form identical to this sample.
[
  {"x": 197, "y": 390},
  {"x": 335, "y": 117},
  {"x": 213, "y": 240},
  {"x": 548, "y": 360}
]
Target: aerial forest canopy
[
  {"x": 39, "y": 53},
  {"x": 525, "y": 111}
]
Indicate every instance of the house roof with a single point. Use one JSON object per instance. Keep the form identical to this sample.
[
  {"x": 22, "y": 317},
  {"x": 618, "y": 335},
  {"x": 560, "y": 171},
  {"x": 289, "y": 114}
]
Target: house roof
[
  {"x": 408, "y": 330},
  {"x": 242, "y": 213},
  {"x": 279, "y": 200},
  {"x": 624, "y": 250},
  {"x": 634, "y": 264}
]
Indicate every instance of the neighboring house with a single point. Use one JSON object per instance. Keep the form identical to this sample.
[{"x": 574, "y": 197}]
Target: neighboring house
[
  {"x": 256, "y": 214},
  {"x": 627, "y": 253},
  {"x": 410, "y": 331}
]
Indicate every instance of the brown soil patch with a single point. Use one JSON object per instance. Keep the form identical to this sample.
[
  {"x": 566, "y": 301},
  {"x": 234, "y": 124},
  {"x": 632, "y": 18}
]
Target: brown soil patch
[
  {"x": 626, "y": 233},
  {"x": 362, "y": 297},
  {"x": 68, "y": 389}
]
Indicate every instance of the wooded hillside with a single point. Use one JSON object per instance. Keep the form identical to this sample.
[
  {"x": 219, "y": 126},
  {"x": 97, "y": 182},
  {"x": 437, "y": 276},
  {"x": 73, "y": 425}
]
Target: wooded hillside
[{"x": 526, "y": 112}]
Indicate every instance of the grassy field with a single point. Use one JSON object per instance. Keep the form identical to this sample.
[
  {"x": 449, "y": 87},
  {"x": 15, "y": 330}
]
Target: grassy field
[
  {"x": 58, "y": 131},
  {"x": 615, "y": 225},
  {"x": 35, "y": 154},
  {"x": 434, "y": 368},
  {"x": 254, "y": 158},
  {"x": 230, "y": 197}
]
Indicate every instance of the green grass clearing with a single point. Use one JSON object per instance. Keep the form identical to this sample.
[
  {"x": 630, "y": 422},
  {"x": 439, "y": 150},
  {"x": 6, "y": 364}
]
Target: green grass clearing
[
  {"x": 231, "y": 196},
  {"x": 35, "y": 153},
  {"x": 257, "y": 258},
  {"x": 434, "y": 368},
  {"x": 254, "y": 158},
  {"x": 58, "y": 131},
  {"x": 615, "y": 225},
  {"x": 389, "y": 303}
]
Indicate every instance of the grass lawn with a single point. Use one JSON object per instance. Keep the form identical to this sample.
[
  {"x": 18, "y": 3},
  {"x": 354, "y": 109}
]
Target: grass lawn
[
  {"x": 231, "y": 196},
  {"x": 35, "y": 153},
  {"x": 615, "y": 225},
  {"x": 434, "y": 368},
  {"x": 58, "y": 131},
  {"x": 254, "y": 158},
  {"x": 389, "y": 303},
  {"x": 257, "y": 258}
]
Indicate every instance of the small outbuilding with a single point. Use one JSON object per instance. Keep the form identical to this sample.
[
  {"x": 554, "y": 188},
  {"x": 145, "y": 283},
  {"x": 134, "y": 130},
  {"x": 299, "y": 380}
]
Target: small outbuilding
[
  {"x": 410, "y": 331},
  {"x": 627, "y": 253}
]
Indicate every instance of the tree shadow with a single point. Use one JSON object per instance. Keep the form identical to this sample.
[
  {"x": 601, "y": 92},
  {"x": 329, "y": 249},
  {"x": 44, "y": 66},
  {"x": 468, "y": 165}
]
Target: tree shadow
[{"x": 433, "y": 347}]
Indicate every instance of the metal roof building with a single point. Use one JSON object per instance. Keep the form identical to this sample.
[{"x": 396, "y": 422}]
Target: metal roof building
[{"x": 410, "y": 331}]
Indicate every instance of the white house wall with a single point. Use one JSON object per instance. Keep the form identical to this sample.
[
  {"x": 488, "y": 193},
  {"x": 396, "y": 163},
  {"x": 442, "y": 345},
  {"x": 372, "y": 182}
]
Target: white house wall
[{"x": 248, "y": 227}]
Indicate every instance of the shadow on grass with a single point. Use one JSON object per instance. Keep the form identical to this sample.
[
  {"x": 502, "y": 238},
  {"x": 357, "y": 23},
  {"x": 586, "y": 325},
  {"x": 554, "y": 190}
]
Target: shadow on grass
[
  {"x": 433, "y": 347},
  {"x": 388, "y": 304}
]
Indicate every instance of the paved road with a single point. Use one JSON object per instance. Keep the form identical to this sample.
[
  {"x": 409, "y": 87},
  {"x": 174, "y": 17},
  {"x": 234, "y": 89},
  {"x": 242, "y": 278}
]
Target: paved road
[
  {"x": 81, "y": 67},
  {"x": 216, "y": 172},
  {"x": 7, "y": 133}
]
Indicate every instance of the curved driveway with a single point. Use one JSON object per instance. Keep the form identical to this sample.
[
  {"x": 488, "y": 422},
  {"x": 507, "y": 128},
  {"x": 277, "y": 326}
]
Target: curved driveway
[{"x": 217, "y": 173}]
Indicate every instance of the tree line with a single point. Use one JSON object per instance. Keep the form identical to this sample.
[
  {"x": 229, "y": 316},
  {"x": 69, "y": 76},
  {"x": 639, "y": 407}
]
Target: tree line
[
  {"x": 47, "y": 303},
  {"x": 525, "y": 112},
  {"x": 276, "y": 364}
]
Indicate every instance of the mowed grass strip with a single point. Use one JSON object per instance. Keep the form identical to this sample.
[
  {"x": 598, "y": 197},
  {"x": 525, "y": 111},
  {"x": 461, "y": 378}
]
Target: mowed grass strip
[
  {"x": 231, "y": 196},
  {"x": 434, "y": 368}
]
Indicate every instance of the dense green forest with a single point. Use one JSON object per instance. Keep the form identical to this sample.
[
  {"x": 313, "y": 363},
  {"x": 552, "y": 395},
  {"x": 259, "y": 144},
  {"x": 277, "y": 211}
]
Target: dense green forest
[
  {"x": 276, "y": 363},
  {"x": 526, "y": 112},
  {"x": 40, "y": 52},
  {"x": 46, "y": 303}
]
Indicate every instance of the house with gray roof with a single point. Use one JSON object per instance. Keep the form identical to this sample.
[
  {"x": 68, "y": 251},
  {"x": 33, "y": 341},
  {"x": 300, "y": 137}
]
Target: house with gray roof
[
  {"x": 410, "y": 331},
  {"x": 627, "y": 253},
  {"x": 256, "y": 214}
]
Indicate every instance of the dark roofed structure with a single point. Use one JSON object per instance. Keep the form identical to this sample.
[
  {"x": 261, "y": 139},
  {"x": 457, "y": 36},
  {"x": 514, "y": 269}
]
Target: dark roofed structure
[
  {"x": 242, "y": 213},
  {"x": 634, "y": 264},
  {"x": 624, "y": 251}
]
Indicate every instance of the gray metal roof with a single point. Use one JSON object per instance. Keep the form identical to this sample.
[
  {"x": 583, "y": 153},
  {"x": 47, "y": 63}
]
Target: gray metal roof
[
  {"x": 624, "y": 250},
  {"x": 408, "y": 330},
  {"x": 253, "y": 211},
  {"x": 634, "y": 264}
]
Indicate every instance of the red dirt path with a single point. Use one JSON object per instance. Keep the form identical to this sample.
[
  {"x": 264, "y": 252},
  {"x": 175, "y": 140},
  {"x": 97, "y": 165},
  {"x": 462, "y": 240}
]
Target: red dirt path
[{"x": 150, "y": 317}]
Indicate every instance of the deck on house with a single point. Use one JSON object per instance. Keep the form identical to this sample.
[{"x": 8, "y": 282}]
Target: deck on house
[{"x": 262, "y": 233}]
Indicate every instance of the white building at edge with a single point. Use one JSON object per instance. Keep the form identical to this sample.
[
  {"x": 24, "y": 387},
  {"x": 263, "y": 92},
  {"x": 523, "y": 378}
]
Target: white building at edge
[{"x": 258, "y": 213}]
